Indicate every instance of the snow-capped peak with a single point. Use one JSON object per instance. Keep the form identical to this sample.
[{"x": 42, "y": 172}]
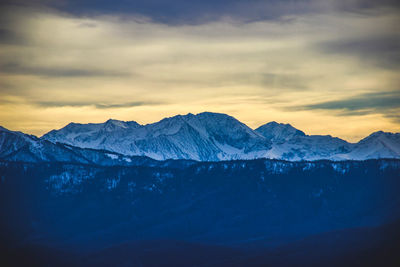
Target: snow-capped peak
[
  {"x": 111, "y": 125},
  {"x": 279, "y": 132},
  {"x": 205, "y": 136},
  {"x": 211, "y": 136},
  {"x": 379, "y": 144}
]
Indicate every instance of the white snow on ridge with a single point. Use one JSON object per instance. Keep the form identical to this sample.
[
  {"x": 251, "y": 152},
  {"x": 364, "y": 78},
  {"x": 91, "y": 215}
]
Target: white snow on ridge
[
  {"x": 214, "y": 137},
  {"x": 205, "y": 136},
  {"x": 112, "y": 156}
]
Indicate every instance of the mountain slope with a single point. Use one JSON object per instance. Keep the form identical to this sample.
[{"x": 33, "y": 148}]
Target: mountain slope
[
  {"x": 289, "y": 143},
  {"x": 213, "y": 137},
  {"x": 91, "y": 134},
  {"x": 279, "y": 132},
  {"x": 205, "y": 136},
  {"x": 20, "y": 147},
  {"x": 17, "y": 146},
  {"x": 377, "y": 145}
]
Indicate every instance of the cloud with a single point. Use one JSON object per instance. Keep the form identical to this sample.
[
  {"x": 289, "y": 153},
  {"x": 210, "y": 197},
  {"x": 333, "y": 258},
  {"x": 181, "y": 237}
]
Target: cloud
[
  {"x": 177, "y": 12},
  {"x": 377, "y": 101},
  {"x": 9, "y": 37},
  {"x": 52, "y": 104},
  {"x": 92, "y": 67},
  {"x": 58, "y": 72},
  {"x": 381, "y": 50},
  {"x": 386, "y": 103}
]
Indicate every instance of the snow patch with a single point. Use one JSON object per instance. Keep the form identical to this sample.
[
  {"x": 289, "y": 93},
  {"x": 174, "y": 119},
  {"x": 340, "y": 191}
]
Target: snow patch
[{"x": 112, "y": 156}]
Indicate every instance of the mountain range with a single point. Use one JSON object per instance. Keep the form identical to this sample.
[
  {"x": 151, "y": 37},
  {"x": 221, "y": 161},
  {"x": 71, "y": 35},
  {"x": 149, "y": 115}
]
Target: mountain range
[
  {"x": 197, "y": 190},
  {"x": 202, "y": 137}
]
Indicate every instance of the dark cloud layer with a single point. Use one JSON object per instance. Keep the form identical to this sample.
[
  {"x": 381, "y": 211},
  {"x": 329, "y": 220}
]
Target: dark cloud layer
[
  {"x": 10, "y": 37},
  {"x": 386, "y": 103},
  {"x": 199, "y": 11},
  {"x": 50, "y": 104},
  {"x": 383, "y": 50},
  {"x": 13, "y": 68},
  {"x": 364, "y": 101}
]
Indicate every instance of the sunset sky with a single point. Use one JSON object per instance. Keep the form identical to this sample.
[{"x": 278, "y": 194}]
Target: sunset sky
[{"x": 326, "y": 67}]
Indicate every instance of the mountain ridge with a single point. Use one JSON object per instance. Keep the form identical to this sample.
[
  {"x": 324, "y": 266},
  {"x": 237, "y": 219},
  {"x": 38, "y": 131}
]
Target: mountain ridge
[
  {"x": 197, "y": 137},
  {"x": 211, "y": 136}
]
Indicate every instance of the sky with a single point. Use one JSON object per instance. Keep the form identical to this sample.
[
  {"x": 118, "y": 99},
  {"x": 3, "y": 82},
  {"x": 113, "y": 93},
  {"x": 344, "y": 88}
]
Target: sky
[{"x": 325, "y": 67}]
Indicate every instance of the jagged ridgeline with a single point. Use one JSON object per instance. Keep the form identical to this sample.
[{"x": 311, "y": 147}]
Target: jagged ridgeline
[
  {"x": 257, "y": 203},
  {"x": 202, "y": 137},
  {"x": 213, "y": 136}
]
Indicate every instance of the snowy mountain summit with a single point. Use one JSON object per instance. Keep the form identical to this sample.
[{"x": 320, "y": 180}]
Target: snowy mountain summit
[
  {"x": 279, "y": 132},
  {"x": 205, "y": 136},
  {"x": 213, "y": 136},
  {"x": 208, "y": 137}
]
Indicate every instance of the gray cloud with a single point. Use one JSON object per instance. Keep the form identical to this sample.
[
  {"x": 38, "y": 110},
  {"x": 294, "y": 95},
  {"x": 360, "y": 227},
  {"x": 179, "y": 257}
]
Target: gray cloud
[
  {"x": 87, "y": 25},
  {"x": 382, "y": 100},
  {"x": 127, "y": 105},
  {"x": 293, "y": 82},
  {"x": 51, "y": 104},
  {"x": 10, "y": 37},
  {"x": 286, "y": 82},
  {"x": 15, "y": 68},
  {"x": 381, "y": 50},
  {"x": 270, "y": 81},
  {"x": 395, "y": 116},
  {"x": 201, "y": 11},
  {"x": 385, "y": 103}
]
